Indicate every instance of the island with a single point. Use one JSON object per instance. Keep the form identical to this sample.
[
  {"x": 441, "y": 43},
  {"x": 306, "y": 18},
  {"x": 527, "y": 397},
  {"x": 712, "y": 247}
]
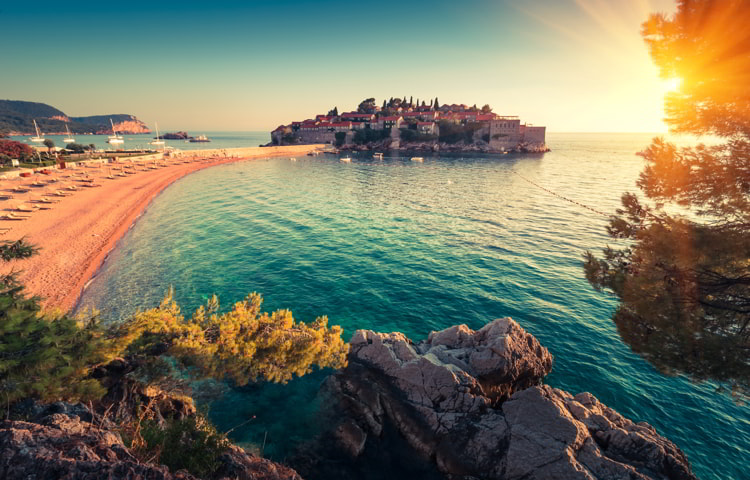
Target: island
[{"x": 401, "y": 124}]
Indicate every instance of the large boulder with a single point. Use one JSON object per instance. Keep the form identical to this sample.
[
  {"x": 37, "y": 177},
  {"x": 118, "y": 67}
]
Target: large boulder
[{"x": 471, "y": 403}]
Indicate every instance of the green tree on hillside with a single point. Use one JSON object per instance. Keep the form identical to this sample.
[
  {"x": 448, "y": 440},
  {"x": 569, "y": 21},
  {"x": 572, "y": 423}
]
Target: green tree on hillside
[{"x": 684, "y": 280}]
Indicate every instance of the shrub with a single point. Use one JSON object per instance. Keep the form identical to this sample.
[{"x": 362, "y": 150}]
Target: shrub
[
  {"x": 409, "y": 135},
  {"x": 367, "y": 135},
  {"x": 192, "y": 444}
]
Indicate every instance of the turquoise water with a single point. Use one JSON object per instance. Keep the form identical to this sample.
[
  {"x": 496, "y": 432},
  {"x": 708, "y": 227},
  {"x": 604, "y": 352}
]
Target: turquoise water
[
  {"x": 396, "y": 245},
  {"x": 140, "y": 142}
]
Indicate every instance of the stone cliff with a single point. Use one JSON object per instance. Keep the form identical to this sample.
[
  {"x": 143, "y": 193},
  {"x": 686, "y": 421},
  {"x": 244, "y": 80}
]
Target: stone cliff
[
  {"x": 67, "y": 441},
  {"x": 470, "y": 405}
]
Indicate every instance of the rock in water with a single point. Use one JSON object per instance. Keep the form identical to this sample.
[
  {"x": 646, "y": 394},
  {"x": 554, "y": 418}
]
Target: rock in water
[{"x": 472, "y": 404}]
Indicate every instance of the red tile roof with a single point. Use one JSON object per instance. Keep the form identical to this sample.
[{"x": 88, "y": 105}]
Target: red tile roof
[{"x": 389, "y": 119}]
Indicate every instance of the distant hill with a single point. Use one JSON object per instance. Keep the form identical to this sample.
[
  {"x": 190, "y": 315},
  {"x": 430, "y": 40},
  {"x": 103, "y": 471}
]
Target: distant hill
[{"x": 16, "y": 117}]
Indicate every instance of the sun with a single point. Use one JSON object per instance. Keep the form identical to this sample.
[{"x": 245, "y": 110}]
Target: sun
[{"x": 671, "y": 84}]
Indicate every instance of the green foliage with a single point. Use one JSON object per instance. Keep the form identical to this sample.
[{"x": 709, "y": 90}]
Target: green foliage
[
  {"x": 289, "y": 138},
  {"x": 334, "y": 112},
  {"x": 340, "y": 138},
  {"x": 486, "y": 109},
  {"x": 366, "y": 106},
  {"x": 77, "y": 147},
  {"x": 45, "y": 356},
  {"x": 453, "y": 132},
  {"x": 192, "y": 444},
  {"x": 242, "y": 345},
  {"x": 684, "y": 281},
  {"x": 409, "y": 135},
  {"x": 367, "y": 135}
]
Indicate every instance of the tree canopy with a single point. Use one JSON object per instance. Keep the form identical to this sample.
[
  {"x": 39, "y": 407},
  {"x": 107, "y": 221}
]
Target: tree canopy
[{"x": 684, "y": 280}]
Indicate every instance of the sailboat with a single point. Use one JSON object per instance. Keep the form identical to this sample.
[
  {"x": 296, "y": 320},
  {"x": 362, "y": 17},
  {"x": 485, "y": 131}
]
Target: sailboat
[
  {"x": 69, "y": 138},
  {"x": 158, "y": 140},
  {"x": 114, "y": 139},
  {"x": 39, "y": 138}
]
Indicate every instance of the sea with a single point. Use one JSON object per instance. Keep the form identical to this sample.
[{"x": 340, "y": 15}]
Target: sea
[
  {"x": 141, "y": 141},
  {"x": 396, "y": 245}
]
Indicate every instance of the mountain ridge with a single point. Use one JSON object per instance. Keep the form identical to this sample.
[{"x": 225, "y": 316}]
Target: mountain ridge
[{"x": 17, "y": 116}]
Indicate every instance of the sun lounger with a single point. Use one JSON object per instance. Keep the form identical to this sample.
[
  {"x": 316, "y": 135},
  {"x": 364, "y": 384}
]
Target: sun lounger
[
  {"x": 21, "y": 207},
  {"x": 13, "y": 216}
]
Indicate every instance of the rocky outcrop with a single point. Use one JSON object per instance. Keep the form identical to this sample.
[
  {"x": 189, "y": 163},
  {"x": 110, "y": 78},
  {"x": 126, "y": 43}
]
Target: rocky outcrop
[
  {"x": 75, "y": 444},
  {"x": 176, "y": 136},
  {"x": 471, "y": 404}
]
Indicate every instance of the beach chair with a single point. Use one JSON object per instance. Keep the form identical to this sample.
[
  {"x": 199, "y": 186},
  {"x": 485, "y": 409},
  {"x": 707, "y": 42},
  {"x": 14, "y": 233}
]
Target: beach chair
[
  {"x": 22, "y": 207},
  {"x": 13, "y": 216}
]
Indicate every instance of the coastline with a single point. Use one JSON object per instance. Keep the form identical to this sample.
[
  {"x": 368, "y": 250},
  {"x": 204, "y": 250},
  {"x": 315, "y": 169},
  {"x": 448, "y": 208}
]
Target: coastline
[{"x": 76, "y": 235}]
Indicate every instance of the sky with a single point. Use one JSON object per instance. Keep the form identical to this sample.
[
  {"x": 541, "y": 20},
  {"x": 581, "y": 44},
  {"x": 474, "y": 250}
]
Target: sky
[{"x": 571, "y": 65}]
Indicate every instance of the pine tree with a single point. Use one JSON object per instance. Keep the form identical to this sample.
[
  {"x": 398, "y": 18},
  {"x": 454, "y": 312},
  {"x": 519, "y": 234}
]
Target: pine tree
[
  {"x": 684, "y": 281},
  {"x": 435, "y": 104},
  {"x": 43, "y": 356},
  {"x": 242, "y": 345}
]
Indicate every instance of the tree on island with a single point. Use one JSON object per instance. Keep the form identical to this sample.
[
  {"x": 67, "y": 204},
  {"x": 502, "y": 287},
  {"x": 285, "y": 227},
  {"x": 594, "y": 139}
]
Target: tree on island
[{"x": 684, "y": 281}]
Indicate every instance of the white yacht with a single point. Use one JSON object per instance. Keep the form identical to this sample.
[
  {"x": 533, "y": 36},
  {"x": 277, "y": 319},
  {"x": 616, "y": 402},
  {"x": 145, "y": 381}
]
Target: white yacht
[
  {"x": 345, "y": 160},
  {"x": 417, "y": 159},
  {"x": 377, "y": 156},
  {"x": 69, "y": 138},
  {"x": 158, "y": 140},
  {"x": 39, "y": 138},
  {"x": 114, "y": 139}
]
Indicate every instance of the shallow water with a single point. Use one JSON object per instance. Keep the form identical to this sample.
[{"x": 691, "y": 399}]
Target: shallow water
[{"x": 396, "y": 245}]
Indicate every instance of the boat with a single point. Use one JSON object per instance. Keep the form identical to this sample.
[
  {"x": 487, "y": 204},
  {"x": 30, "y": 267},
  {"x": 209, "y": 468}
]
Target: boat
[
  {"x": 39, "y": 138},
  {"x": 292, "y": 159},
  {"x": 158, "y": 140},
  {"x": 377, "y": 156},
  {"x": 345, "y": 160},
  {"x": 69, "y": 138},
  {"x": 199, "y": 139},
  {"x": 114, "y": 139},
  {"x": 417, "y": 159}
]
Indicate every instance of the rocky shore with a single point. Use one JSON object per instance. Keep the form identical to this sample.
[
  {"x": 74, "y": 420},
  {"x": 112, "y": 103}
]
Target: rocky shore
[
  {"x": 460, "y": 405},
  {"x": 469, "y": 404},
  {"x": 441, "y": 147}
]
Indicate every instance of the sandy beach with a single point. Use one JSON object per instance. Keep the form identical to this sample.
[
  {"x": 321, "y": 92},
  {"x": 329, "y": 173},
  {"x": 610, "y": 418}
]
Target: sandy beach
[{"x": 76, "y": 216}]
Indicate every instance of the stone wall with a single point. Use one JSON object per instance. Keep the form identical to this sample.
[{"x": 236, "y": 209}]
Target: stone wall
[
  {"x": 505, "y": 134},
  {"x": 535, "y": 136}
]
